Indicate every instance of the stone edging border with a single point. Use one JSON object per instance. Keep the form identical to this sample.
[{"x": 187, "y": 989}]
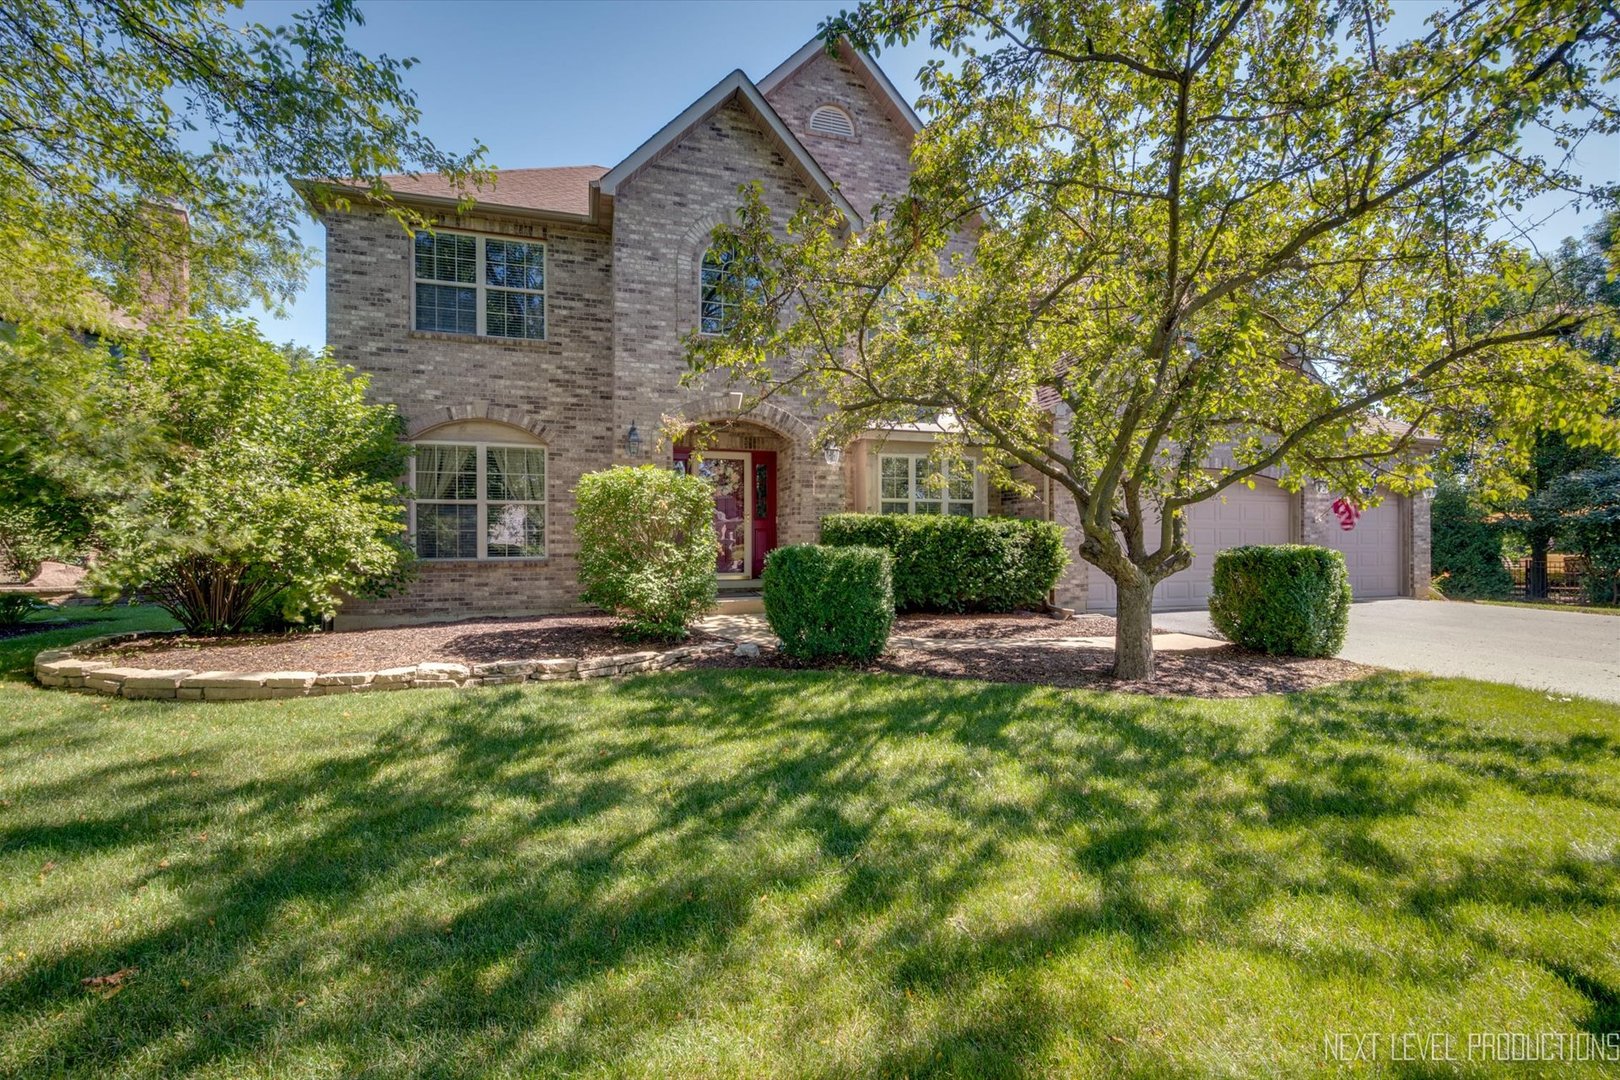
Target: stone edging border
[{"x": 66, "y": 669}]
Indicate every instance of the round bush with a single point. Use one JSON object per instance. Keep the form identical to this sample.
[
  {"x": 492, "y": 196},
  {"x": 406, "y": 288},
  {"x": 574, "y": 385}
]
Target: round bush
[
  {"x": 951, "y": 563},
  {"x": 646, "y": 546},
  {"x": 830, "y": 601},
  {"x": 1283, "y": 599}
]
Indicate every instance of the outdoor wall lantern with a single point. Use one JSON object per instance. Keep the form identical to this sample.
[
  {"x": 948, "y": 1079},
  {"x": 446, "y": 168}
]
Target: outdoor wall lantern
[
  {"x": 832, "y": 454},
  {"x": 632, "y": 441}
]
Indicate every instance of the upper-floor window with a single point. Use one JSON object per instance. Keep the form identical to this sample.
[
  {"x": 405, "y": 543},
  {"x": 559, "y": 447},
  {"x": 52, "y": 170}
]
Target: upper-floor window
[
  {"x": 832, "y": 120},
  {"x": 478, "y": 500},
  {"x": 718, "y": 285},
  {"x": 903, "y": 486},
  {"x": 485, "y": 285}
]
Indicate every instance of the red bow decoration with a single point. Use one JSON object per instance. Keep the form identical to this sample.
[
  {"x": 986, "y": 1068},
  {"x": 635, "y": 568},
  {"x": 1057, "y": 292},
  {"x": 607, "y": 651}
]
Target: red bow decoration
[{"x": 1347, "y": 513}]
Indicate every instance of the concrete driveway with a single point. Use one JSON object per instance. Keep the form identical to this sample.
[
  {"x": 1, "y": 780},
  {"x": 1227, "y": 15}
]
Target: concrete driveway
[{"x": 1572, "y": 652}]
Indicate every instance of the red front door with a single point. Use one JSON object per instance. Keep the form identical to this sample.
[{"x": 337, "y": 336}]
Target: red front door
[
  {"x": 763, "y": 474},
  {"x": 745, "y": 506}
]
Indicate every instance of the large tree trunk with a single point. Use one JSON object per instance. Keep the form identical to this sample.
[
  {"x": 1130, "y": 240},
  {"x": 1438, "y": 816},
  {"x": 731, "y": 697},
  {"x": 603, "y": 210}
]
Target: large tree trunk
[
  {"x": 1535, "y": 575},
  {"x": 1133, "y": 632}
]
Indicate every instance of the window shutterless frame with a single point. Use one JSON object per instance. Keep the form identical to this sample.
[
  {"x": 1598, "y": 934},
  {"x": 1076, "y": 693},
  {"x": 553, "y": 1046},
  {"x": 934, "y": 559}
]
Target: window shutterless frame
[
  {"x": 431, "y": 298},
  {"x": 480, "y": 502},
  {"x": 901, "y": 487}
]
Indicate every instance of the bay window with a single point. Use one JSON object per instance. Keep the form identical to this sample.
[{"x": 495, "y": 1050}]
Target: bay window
[
  {"x": 483, "y": 285},
  {"x": 903, "y": 486},
  {"x": 478, "y": 501}
]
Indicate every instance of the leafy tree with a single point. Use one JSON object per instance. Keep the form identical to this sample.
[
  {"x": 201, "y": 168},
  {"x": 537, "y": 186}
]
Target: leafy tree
[
  {"x": 1544, "y": 511},
  {"x": 1212, "y": 241},
  {"x": 78, "y": 432},
  {"x": 112, "y": 113},
  {"x": 646, "y": 547},
  {"x": 1466, "y": 550},
  {"x": 279, "y": 490},
  {"x": 1590, "y": 526}
]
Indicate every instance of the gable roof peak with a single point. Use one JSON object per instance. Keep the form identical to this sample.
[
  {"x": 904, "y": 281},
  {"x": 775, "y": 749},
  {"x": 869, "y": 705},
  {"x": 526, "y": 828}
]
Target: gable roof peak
[
  {"x": 740, "y": 88},
  {"x": 876, "y": 80}
]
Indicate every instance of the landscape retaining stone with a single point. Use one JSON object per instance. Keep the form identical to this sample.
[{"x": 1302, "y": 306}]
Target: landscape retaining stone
[{"x": 68, "y": 669}]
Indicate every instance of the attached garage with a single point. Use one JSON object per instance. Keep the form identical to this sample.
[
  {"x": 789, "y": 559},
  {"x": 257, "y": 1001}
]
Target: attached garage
[
  {"x": 1373, "y": 550},
  {"x": 1264, "y": 515}
]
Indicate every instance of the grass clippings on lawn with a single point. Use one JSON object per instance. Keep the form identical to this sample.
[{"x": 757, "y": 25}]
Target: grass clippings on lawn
[{"x": 473, "y": 642}]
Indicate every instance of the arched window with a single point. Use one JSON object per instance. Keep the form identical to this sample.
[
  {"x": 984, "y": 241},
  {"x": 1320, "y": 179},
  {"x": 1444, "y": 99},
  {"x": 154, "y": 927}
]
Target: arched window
[
  {"x": 479, "y": 492},
  {"x": 832, "y": 120},
  {"x": 717, "y": 291}
]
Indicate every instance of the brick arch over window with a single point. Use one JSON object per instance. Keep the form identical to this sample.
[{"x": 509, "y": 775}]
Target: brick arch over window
[
  {"x": 717, "y": 408},
  {"x": 511, "y": 416},
  {"x": 693, "y": 245}
]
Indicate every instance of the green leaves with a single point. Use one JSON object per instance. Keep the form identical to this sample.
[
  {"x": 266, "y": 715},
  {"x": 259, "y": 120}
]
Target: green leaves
[
  {"x": 646, "y": 546},
  {"x": 1207, "y": 243},
  {"x": 274, "y": 485},
  {"x": 114, "y": 114}
]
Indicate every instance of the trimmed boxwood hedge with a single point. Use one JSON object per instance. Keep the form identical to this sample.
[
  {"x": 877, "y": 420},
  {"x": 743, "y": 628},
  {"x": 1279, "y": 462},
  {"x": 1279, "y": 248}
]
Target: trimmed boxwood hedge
[
  {"x": 950, "y": 563},
  {"x": 829, "y": 601},
  {"x": 1283, "y": 599}
]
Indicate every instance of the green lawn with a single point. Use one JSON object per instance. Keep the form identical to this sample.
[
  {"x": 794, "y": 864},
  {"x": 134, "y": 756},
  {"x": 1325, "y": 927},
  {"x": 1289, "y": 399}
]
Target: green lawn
[{"x": 771, "y": 873}]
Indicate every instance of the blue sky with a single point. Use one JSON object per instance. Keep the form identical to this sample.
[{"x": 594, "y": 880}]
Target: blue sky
[{"x": 562, "y": 83}]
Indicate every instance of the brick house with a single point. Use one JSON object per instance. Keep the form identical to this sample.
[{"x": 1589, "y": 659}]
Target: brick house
[{"x": 537, "y": 337}]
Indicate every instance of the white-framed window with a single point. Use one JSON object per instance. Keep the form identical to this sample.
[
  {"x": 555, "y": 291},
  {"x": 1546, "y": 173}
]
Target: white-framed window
[
  {"x": 903, "y": 486},
  {"x": 491, "y": 286},
  {"x": 718, "y": 282},
  {"x": 478, "y": 501}
]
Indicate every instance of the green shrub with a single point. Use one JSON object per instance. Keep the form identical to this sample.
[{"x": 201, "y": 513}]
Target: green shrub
[
  {"x": 1283, "y": 599},
  {"x": 830, "y": 601},
  {"x": 1466, "y": 551},
  {"x": 279, "y": 492},
  {"x": 646, "y": 547},
  {"x": 15, "y": 607},
  {"x": 949, "y": 563}
]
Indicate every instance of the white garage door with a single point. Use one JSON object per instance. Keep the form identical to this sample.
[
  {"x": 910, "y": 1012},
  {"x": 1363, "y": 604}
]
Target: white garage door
[
  {"x": 1372, "y": 550},
  {"x": 1260, "y": 516}
]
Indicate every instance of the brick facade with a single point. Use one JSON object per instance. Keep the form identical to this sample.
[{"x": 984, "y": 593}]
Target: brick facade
[
  {"x": 620, "y": 294},
  {"x": 622, "y": 289},
  {"x": 875, "y": 163}
]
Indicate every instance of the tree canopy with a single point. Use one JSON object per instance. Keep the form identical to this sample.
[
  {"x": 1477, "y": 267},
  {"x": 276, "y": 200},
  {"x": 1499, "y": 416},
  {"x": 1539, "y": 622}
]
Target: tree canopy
[
  {"x": 117, "y": 115},
  {"x": 1151, "y": 251}
]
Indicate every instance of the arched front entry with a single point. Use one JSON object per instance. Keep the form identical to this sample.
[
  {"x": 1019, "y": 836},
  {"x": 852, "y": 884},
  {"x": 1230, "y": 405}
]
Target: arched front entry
[{"x": 744, "y": 462}]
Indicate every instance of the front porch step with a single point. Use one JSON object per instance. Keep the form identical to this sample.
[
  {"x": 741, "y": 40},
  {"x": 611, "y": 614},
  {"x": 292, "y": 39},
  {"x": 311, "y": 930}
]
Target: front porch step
[{"x": 736, "y": 602}]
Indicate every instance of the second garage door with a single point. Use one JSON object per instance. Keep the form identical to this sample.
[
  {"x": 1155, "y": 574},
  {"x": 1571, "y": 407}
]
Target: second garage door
[
  {"x": 1372, "y": 550},
  {"x": 1261, "y": 516}
]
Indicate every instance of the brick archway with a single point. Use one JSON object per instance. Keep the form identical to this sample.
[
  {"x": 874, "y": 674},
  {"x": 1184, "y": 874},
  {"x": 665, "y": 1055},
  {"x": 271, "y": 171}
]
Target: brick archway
[
  {"x": 721, "y": 408},
  {"x": 476, "y": 410}
]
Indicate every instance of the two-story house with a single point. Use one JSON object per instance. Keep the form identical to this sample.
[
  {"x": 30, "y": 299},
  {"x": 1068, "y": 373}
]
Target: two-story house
[{"x": 538, "y": 337}]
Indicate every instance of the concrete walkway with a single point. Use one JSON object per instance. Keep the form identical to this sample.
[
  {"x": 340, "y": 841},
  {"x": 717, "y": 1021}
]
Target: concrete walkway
[
  {"x": 1570, "y": 652},
  {"x": 755, "y": 630}
]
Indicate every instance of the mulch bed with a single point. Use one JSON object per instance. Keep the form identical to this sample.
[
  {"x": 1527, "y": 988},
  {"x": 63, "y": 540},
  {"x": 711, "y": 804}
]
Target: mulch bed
[
  {"x": 1221, "y": 671},
  {"x": 478, "y": 641},
  {"x": 1018, "y": 624},
  {"x": 1015, "y": 648}
]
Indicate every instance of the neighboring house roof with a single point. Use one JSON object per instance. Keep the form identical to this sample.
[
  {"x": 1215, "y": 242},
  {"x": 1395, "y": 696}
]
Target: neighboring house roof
[
  {"x": 736, "y": 87},
  {"x": 890, "y": 98}
]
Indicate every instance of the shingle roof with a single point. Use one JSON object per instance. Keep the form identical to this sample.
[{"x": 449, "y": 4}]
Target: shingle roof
[{"x": 562, "y": 190}]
